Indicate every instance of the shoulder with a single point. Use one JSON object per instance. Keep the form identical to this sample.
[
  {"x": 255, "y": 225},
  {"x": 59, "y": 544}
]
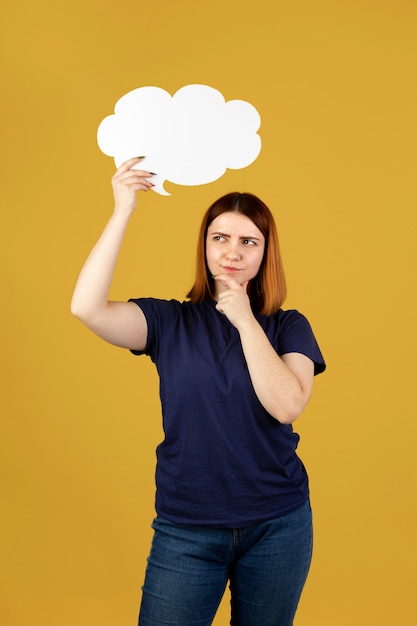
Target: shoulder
[
  {"x": 157, "y": 304},
  {"x": 292, "y": 318},
  {"x": 284, "y": 320},
  {"x": 290, "y": 331},
  {"x": 158, "y": 308}
]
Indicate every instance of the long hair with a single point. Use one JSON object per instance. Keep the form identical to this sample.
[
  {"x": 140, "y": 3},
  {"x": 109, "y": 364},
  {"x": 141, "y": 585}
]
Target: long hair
[{"x": 267, "y": 291}]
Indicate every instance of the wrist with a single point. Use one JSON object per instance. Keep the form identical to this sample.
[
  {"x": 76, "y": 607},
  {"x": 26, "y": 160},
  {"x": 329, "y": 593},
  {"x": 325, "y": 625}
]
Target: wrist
[
  {"x": 247, "y": 324},
  {"x": 122, "y": 213}
]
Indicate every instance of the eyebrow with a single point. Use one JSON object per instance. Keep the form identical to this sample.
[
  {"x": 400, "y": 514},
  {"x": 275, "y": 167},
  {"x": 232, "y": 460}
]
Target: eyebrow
[{"x": 218, "y": 232}]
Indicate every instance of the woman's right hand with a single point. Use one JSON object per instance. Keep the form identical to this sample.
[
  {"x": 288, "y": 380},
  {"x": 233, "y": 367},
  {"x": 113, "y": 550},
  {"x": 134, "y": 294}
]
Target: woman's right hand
[
  {"x": 126, "y": 182},
  {"x": 120, "y": 323}
]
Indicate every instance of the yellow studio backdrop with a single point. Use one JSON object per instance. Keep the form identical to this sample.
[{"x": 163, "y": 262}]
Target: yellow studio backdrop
[{"x": 335, "y": 85}]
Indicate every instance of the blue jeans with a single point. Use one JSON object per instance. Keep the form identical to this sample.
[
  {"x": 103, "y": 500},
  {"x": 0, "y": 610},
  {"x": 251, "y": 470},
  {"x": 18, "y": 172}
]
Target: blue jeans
[{"x": 189, "y": 566}]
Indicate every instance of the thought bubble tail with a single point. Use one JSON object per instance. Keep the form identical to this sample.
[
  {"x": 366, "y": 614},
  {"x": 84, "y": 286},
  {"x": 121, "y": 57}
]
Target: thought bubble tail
[
  {"x": 158, "y": 180},
  {"x": 159, "y": 188}
]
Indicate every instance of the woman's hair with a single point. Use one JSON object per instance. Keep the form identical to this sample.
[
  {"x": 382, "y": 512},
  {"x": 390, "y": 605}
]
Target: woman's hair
[{"x": 267, "y": 291}]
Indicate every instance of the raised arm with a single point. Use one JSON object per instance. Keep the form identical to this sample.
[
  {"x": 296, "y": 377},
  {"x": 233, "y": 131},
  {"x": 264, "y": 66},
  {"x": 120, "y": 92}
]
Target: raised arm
[{"x": 120, "y": 323}]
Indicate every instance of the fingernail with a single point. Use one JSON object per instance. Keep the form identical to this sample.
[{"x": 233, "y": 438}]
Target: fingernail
[
  {"x": 142, "y": 157},
  {"x": 152, "y": 173}
]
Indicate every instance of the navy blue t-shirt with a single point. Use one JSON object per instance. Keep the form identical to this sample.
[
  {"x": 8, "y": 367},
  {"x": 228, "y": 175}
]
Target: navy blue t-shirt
[{"x": 224, "y": 461}]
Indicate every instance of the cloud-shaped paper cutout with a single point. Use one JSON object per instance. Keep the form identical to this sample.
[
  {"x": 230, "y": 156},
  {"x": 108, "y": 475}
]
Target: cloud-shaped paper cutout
[{"x": 190, "y": 138}]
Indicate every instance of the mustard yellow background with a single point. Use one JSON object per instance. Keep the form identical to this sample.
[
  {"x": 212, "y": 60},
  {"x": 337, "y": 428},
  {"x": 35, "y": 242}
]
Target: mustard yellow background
[{"x": 335, "y": 84}]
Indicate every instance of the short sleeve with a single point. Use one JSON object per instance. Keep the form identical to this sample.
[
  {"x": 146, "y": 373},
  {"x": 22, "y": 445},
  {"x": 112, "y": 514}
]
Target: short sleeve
[
  {"x": 296, "y": 335},
  {"x": 159, "y": 316}
]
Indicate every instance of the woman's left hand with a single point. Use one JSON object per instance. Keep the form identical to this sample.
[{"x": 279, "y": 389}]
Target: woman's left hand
[{"x": 234, "y": 301}]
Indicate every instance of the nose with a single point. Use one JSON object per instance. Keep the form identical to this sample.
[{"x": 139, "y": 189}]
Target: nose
[{"x": 232, "y": 252}]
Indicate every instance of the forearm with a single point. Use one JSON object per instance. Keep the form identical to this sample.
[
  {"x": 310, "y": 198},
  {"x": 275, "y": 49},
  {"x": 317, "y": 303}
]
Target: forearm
[
  {"x": 91, "y": 291},
  {"x": 278, "y": 389}
]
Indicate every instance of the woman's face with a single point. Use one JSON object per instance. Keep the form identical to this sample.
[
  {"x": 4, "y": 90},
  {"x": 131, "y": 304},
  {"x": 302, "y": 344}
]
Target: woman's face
[{"x": 234, "y": 246}]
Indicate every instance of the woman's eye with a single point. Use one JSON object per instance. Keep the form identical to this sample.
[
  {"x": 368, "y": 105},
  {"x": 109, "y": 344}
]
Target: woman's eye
[{"x": 249, "y": 242}]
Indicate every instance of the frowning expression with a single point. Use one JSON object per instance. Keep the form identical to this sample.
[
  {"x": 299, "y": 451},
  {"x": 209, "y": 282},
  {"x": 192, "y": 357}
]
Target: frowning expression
[{"x": 234, "y": 246}]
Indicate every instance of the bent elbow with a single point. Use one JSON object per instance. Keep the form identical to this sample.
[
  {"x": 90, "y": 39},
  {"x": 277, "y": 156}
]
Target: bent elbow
[
  {"x": 80, "y": 312},
  {"x": 76, "y": 310},
  {"x": 288, "y": 417},
  {"x": 288, "y": 414}
]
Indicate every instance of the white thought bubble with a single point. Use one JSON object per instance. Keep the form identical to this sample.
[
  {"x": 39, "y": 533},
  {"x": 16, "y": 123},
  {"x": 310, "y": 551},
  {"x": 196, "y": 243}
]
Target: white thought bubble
[{"x": 190, "y": 138}]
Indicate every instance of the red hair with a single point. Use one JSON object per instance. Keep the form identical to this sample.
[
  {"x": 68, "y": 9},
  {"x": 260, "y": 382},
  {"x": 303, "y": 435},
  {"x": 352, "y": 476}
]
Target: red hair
[{"x": 267, "y": 291}]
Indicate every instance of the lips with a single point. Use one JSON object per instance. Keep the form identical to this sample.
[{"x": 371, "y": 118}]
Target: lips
[{"x": 231, "y": 269}]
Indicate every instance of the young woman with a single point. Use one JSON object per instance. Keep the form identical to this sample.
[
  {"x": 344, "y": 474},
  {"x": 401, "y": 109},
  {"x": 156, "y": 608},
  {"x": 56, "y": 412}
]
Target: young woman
[{"x": 236, "y": 370}]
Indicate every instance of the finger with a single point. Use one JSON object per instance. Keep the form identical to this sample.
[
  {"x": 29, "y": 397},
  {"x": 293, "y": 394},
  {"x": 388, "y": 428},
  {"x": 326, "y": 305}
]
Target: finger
[
  {"x": 139, "y": 187},
  {"x": 226, "y": 280},
  {"x": 140, "y": 184},
  {"x": 127, "y": 165},
  {"x": 130, "y": 178},
  {"x": 143, "y": 173},
  {"x": 123, "y": 176}
]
